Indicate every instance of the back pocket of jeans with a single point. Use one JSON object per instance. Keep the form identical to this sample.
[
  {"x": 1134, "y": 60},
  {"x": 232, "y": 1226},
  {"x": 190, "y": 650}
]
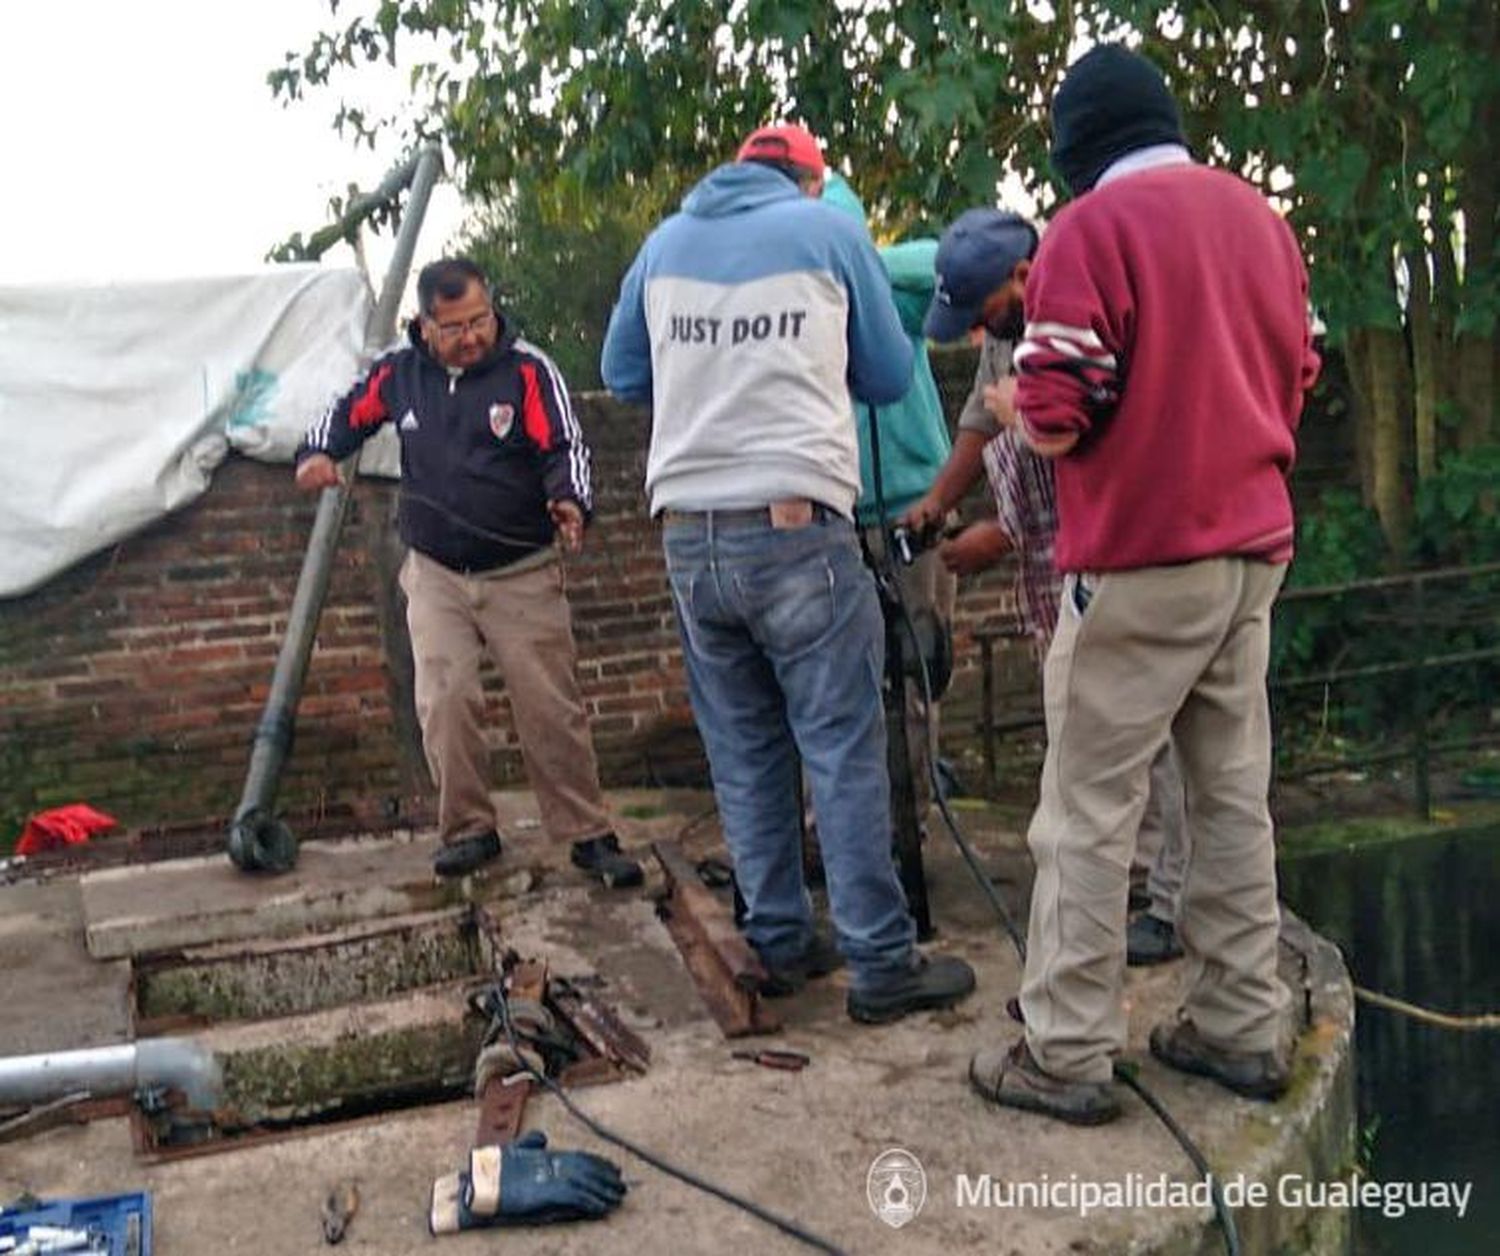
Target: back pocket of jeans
[{"x": 790, "y": 608}]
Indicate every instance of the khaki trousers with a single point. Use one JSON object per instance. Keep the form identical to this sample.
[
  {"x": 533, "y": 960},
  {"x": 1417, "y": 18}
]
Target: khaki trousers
[
  {"x": 1138, "y": 657},
  {"x": 521, "y": 618}
]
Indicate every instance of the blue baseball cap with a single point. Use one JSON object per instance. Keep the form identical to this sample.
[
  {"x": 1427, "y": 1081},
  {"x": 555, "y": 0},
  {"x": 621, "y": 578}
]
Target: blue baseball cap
[{"x": 975, "y": 256}]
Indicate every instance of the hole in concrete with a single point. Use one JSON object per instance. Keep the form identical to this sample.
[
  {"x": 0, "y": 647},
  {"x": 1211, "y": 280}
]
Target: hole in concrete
[
  {"x": 309, "y": 1032},
  {"x": 351, "y": 1025},
  {"x": 172, "y": 992}
]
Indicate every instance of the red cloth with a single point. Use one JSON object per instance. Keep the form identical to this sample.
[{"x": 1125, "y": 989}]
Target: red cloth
[{"x": 62, "y": 826}]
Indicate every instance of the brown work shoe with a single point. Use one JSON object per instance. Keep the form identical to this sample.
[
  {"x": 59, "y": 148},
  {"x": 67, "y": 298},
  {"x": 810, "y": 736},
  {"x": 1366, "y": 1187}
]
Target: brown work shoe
[
  {"x": 1254, "y": 1074},
  {"x": 1013, "y": 1078}
]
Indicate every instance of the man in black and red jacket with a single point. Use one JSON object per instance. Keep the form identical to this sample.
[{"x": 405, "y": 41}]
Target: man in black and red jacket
[{"x": 493, "y": 467}]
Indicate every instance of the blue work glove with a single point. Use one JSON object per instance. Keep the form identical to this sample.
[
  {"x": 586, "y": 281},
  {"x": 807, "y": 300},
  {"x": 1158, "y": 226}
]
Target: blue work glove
[{"x": 537, "y": 1186}]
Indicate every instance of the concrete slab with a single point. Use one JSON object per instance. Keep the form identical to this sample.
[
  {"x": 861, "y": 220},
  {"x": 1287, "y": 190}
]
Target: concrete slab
[
  {"x": 41, "y": 942},
  {"x": 801, "y": 1144},
  {"x": 182, "y": 903},
  {"x": 192, "y": 902}
]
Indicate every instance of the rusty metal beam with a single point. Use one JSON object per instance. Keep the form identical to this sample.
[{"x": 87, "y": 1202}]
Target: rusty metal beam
[
  {"x": 597, "y": 1024},
  {"x": 726, "y": 970}
]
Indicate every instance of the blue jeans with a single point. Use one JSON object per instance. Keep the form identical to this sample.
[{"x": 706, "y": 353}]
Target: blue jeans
[{"x": 784, "y": 647}]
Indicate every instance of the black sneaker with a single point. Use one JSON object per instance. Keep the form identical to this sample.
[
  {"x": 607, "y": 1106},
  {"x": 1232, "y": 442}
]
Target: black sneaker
[
  {"x": 602, "y": 857},
  {"x": 467, "y": 854},
  {"x": 1150, "y": 940},
  {"x": 821, "y": 958},
  {"x": 930, "y": 984}
]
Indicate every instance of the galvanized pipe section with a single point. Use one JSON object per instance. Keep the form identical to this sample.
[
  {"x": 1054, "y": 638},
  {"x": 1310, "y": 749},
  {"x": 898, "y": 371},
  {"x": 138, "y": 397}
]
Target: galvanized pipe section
[
  {"x": 123, "y": 1069},
  {"x": 360, "y": 208},
  {"x": 258, "y": 841}
]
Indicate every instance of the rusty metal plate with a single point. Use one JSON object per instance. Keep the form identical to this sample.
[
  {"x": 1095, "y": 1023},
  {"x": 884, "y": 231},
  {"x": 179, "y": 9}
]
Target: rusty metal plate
[{"x": 725, "y": 969}]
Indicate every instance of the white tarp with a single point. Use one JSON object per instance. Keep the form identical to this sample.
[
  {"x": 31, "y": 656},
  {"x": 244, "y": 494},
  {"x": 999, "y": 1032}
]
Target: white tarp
[{"x": 117, "y": 401}]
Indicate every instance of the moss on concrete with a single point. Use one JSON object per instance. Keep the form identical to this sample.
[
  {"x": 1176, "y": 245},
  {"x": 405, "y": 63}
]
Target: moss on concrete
[
  {"x": 306, "y": 979},
  {"x": 1344, "y": 834},
  {"x": 293, "y": 1081}
]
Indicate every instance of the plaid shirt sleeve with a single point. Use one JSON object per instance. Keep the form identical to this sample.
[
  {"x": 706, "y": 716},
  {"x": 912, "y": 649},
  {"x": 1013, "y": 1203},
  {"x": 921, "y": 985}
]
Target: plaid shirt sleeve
[{"x": 1026, "y": 504}]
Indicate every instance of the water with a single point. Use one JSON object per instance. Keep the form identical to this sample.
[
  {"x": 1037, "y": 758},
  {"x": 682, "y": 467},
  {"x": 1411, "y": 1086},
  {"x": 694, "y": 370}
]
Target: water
[{"x": 1420, "y": 920}]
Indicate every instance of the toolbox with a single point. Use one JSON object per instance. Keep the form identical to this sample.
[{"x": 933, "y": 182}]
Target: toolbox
[{"x": 110, "y": 1225}]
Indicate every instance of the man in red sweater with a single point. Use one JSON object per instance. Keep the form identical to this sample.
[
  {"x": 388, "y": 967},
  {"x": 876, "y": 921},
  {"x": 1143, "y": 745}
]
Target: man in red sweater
[{"x": 1163, "y": 368}]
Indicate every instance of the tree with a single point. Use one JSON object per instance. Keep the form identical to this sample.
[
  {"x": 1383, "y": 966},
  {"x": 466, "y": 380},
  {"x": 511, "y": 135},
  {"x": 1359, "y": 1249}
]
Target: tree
[
  {"x": 927, "y": 103},
  {"x": 1369, "y": 120},
  {"x": 556, "y": 252}
]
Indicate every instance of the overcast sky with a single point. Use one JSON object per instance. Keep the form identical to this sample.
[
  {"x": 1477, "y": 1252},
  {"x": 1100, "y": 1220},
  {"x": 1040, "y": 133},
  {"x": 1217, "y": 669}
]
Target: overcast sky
[{"x": 141, "y": 141}]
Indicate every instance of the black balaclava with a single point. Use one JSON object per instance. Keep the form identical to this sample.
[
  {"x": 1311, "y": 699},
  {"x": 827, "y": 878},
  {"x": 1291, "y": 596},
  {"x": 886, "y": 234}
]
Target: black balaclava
[{"x": 1112, "y": 101}]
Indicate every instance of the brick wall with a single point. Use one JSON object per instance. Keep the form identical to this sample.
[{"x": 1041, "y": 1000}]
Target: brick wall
[{"x": 134, "y": 681}]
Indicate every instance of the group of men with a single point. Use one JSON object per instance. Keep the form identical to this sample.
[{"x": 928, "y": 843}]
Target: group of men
[{"x": 1139, "y": 456}]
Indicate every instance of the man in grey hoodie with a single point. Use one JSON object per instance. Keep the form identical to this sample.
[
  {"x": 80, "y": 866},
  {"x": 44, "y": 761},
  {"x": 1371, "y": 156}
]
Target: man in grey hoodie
[{"x": 746, "y": 321}]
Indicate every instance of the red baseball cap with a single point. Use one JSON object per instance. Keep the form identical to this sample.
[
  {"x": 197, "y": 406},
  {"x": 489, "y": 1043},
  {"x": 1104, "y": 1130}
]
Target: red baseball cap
[{"x": 788, "y": 142}]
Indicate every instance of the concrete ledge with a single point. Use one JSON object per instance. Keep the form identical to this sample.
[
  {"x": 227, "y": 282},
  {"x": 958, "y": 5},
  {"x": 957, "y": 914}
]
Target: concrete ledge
[
  {"x": 290, "y": 976},
  {"x": 1309, "y": 1136},
  {"x": 194, "y": 902},
  {"x": 284, "y": 1069},
  {"x": 800, "y": 1143}
]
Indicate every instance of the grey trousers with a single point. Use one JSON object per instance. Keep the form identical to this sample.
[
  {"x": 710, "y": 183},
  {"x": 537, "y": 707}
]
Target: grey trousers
[{"x": 1161, "y": 846}]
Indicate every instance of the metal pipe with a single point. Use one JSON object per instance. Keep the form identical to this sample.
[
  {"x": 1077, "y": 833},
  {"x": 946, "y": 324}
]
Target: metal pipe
[
  {"x": 987, "y": 711},
  {"x": 358, "y": 209},
  {"x": 1423, "y": 778},
  {"x": 258, "y": 840},
  {"x": 122, "y": 1069}
]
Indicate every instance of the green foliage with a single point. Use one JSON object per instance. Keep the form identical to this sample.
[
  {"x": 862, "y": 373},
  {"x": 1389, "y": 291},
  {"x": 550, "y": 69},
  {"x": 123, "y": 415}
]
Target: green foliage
[
  {"x": 1370, "y": 124},
  {"x": 556, "y": 253},
  {"x": 1365, "y": 118},
  {"x": 1455, "y": 523},
  {"x": 1455, "y": 517},
  {"x": 1337, "y": 543},
  {"x": 925, "y": 102}
]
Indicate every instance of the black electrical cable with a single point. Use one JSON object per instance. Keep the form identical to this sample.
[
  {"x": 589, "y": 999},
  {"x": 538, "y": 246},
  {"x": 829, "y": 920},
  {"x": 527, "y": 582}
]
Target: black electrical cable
[
  {"x": 787, "y": 1227},
  {"x": 487, "y": 534},
  {"x": 887, "y": 541},
  {"x": 1121, "y": 1072}
]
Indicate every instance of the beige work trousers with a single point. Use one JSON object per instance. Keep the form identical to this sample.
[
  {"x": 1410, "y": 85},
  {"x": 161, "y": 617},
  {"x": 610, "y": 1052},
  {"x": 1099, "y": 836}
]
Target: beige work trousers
[
  {"x": 521, "y": 618},
  {"x": 1164, "y": 651}
]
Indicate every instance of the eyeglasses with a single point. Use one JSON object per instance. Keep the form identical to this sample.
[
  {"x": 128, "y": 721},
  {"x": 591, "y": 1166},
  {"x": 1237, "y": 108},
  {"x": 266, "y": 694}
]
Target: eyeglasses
[{"x": 453, "y": 331}]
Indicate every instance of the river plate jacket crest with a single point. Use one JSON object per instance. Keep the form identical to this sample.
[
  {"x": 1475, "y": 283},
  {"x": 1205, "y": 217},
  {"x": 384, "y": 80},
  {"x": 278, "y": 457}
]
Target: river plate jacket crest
[{"x": 482, "y": 450}]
